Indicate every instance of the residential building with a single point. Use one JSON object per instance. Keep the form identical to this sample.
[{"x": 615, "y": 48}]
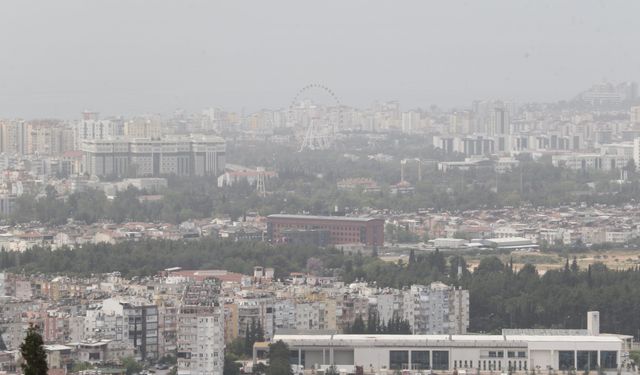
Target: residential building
[
  {"x": 140, "y": 325},
  {"x": 201, "y": 330},
  {"x": 141, "y": 127},
  {"x": 436, "y": 309}
]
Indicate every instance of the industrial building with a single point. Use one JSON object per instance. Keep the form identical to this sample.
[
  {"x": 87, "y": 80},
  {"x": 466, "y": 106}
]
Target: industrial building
[{"x": 341, "y": 229}]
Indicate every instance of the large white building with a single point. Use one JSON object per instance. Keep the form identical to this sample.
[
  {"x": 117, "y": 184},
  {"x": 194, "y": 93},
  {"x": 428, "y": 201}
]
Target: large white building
[
  {"x": 197, "y": 155},
  {"x": 591, "y": 161},
  {"x": 201, "y": 331},
  {"x": 519, "y": 351}
]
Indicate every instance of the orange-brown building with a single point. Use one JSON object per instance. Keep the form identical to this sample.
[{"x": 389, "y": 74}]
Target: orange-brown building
[{"x": 341, "y": 229}]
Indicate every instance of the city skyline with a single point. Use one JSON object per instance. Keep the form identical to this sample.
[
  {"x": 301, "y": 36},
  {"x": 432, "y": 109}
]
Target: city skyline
[
  {"x": 238, "y": 56},
  {"x": 356, "y": 187}
]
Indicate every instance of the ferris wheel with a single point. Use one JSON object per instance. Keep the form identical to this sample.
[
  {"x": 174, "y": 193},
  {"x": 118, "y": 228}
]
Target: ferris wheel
[{"x": 316, "y": 119}]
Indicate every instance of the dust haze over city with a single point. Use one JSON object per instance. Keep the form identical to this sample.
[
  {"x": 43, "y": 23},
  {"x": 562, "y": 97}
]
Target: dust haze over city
[{"x": 337, "y": 187}]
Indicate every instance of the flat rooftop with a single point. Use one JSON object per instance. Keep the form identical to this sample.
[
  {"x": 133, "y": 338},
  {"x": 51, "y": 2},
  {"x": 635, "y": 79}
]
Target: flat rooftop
[
  {"x": 332, "y": 218},
  {"x": 437, "y": 340},
  {"x": 56, "y": 347},
  {"x": 507, "y": 240}
]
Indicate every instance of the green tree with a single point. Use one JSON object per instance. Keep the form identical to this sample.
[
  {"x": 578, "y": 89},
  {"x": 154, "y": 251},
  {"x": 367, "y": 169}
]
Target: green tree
[
  {"x": 279, "y": 359},
  {"x": 131, "y": 365},
  {"x": 236, "y": 347},
  {"x": 230, "y": 365},
  {"x": 358, "y": 326},
  {"x": 33, "y": 354},
  {"x": 574, "y": 265},
  {"x": 373, "y": 322}
]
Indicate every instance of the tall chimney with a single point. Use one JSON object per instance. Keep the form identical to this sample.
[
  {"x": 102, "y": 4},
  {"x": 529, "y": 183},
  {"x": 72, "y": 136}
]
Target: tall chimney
[{"x": 593, "y": 322}]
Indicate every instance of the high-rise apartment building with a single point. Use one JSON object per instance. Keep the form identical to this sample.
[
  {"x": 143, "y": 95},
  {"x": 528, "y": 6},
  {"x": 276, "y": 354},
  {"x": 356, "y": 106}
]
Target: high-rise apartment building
[
  {"x": 436, "y": 309},
  {"x": 142, "y": 330},
  {"x": 201, "y": 330},
  {"x": 461, "y": 123},
  {"x": 636, "y": 152},
  {"x": 42, "y": 137},
  {"x": 255, "y": 309},
  {"x": 410, "y": 122},
  {"x": 500, "y": 121},
  {"x": 140, "y": 325},
  {"x": 167, "y": 326},
  {"x": 92, "y": 128},
  {"x": 48, "y": 137},
  {"x": 634, "y": 115},
  {"x": 13, "y": 137},
  {"x": 143, "y": 128}
]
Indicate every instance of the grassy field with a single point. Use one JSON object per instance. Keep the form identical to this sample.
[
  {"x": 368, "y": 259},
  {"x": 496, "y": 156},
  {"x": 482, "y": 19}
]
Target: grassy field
[{"x": 614, "y": 259}]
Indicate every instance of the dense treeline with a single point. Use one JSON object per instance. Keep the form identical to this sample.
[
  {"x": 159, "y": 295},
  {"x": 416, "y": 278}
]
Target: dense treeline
[
  {"x": 146, "y": 258},
  {"x": 182, "y": 202},
  {"x": 307, "y": 183},
  {"x": 499, "y": 295},
  {"x": 533, "y": 182}
]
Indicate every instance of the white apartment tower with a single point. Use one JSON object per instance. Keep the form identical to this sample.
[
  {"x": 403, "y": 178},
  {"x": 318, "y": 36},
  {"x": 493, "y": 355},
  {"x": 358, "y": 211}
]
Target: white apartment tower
[
  {"x": 92, "y": 128},
  {"x": 201, "y": 331},
  {"x": 410, "y": 122},
  {"x": 500, "y": 121},
  {"x": 436, "y": 309},
  {"x": 636, "y": 152},
  {"x": 634, "y": 115}
]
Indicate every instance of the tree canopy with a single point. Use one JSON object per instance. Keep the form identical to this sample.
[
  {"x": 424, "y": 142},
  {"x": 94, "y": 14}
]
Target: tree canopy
[
  {"x": 33, "y": 354},
  {"x": 279, "y": 359}
]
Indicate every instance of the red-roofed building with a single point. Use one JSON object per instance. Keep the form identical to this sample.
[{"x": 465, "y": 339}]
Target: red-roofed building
[{"x": 341, "y": 229}]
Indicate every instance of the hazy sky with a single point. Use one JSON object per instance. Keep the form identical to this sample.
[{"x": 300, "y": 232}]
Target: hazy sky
[{"x": 132, "y": 56}]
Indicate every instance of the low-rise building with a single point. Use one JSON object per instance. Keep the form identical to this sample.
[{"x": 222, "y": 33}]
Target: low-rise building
[
  {"x": 342, "y": 229},
  {"x": 515, "y": 351}
]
